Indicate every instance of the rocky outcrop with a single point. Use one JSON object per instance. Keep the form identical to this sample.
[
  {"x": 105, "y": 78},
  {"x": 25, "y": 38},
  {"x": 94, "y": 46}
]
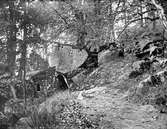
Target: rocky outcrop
[{"x": 66, "y": 58}]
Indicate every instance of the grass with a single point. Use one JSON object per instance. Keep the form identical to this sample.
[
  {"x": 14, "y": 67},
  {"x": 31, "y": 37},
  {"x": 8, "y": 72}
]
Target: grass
[{"x": 59, "y": 111}]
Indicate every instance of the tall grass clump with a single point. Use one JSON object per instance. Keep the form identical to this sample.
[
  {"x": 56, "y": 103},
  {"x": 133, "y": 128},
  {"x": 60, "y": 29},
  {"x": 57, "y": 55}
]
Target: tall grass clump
[{"x": 60, "y": 111}]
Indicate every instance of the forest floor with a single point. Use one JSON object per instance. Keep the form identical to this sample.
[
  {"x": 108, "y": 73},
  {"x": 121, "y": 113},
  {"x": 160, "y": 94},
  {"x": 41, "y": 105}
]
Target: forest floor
[{"x": 109, "y": 99}]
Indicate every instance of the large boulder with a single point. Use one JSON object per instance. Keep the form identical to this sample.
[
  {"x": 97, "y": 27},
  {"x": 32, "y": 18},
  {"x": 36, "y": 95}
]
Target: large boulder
[{"x": 66, "y": 58}]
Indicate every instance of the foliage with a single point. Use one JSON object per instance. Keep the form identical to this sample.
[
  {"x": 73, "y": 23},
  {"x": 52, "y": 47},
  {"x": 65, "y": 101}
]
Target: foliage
[
  {"x": 149, "y": 47},
  {"x": 73, "y": 117},
  {"x": 70, "y": 117},
  {"x": 42, "y": 121},
  {"x": 36, "y": 62},
  {"x": 140, "y": 67},
  {"x": 151, "y": 90},
  {"x": 5, "y": 90}
]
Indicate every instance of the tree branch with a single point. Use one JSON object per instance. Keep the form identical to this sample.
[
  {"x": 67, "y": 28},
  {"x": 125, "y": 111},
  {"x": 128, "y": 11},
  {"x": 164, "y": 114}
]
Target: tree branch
[
  {"x": 147, "y": 18},
  {"x": 146, "y": 11},
  {"x": 70, "y": 45},
  {"x": 64, "y": 19},
  {"x": 161, "y": 13}
]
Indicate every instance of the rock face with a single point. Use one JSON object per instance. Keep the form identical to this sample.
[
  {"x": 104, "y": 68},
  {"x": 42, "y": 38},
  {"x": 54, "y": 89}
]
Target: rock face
[{"x": 66, "y": 59}]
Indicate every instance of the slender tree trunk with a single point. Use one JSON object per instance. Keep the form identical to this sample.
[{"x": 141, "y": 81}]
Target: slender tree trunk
[
  {"x": 154, "y": 22},
  {"x": 23, "y": 50},
  {"x": 125, "y": 18},
  {"x": 97, "y": 11},
  {"x": 11, "y": 42},
  {"x": 141, "y": 11},
  {"x": 111, "y": 33},
  {"x": 163, "y": 11},
  {"x": 24, "y": 60},
  {"x": 152, "y": 15},
  {"x": 11, "y": 37},
  {"x": 80, "y": 16}
]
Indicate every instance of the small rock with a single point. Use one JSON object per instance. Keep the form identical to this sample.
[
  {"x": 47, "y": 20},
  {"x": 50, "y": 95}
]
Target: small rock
[
  {"x": 80, "y": 97},
  {"x": 88, "y": 95},
  {"x": 23, "y": 120}
]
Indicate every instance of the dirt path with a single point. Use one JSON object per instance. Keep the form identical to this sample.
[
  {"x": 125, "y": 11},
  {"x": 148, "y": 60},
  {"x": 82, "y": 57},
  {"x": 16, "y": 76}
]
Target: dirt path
[
  {"x": 110, "y": 102},
  {"x": 117, "y": 113}
]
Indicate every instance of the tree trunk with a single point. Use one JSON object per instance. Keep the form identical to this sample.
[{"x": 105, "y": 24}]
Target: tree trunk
[
  {"x": 11, "y": 42},
  {"x": 81, "y": 18},
  {"x": 11, "y": 37},
  {"x": 111, "y": 33},
  {"x": 23, "y": 50},
  {"x": 162, "y": 10},
  {"x": 97, "y": 11},
  {"x": 24, "y": 59},
  {"x": 141, "y": 12}
]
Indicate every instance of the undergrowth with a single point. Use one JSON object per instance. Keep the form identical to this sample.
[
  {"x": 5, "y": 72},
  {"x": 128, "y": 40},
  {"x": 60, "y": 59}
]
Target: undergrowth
[
  {"x": 153, "y": 92},
  {"x": 62, "y": 114}
]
